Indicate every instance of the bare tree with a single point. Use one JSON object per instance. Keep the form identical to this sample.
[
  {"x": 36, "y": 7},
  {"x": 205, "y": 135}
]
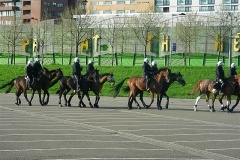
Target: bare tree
[
  {"x": 145, "y": 24},
  {"x": 78, "y": 26},
  {"x": 188, "y": 32}
]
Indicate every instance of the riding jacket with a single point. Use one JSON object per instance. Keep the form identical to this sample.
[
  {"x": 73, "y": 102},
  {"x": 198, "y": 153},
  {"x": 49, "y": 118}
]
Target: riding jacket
[
  {"x": 29, "y": 71},
  {"x": 90, "y": 68},
  {"x": 232, "y": 72},
  {"x": 147, "y": 71},
  {"x": 220, "y": 73},
  {"x": 37, "y": 67},
  {"x": 154, "y": 70},
  {"x": 76, "y": 69}
]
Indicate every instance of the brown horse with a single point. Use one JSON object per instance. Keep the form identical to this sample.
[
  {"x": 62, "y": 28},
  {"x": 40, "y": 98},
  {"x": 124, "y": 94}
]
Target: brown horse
[
  {"x": 172, "y": 78},
  {"x": 96, "y": 87},
  {"x": 68, "y": 83},
  {"x": 207, "y": 87},
  {"x": 137, "y": 85},
  {"x": 20, "y": 85}
]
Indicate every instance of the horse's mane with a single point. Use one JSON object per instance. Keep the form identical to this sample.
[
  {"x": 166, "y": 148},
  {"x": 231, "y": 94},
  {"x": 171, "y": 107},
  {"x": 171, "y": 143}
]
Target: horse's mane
[{"x": 163, "y": 69}]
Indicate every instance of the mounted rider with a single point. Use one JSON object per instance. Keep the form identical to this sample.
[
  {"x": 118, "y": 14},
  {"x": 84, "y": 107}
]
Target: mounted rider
[
  {"x": 29, "y": 74},
  {"x": 147, "y": 72},
  {"x": 37, "y": 68},
  {"x": 220, "y": 77},
  {"x": 76, "y": 72},
  {"x": 90, "y": 68},
  {"x": 154, "y": 67},
  {"x": 232, "y": 71}
]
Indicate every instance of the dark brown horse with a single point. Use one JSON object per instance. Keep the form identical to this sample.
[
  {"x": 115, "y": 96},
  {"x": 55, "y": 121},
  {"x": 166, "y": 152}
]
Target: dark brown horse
[
  {"x": 137, "y": 85},
  {"x": 20, "y": 85},
  {"x": 233, "y": 88},
  {"x": 96, "y": 87},
  {"x": 173, "y": 77},
  {"x": 207, "y": 87},
  {"x": 68, "y": 83}
]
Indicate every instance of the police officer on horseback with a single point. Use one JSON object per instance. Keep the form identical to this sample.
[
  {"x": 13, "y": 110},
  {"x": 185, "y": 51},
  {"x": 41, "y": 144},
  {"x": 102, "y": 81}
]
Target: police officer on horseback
[
  {"x": 90, "y": 69},
  {"x": 220, "y": 78},
  {"x": 37, "y": 68},
  {"x": 76, "y": 72},
  {"x": 232, "y": 71},
  {"x": 154, "y": 67},
  {"x": 29, "y": 74},
  {"x": 147, "y": 72}
]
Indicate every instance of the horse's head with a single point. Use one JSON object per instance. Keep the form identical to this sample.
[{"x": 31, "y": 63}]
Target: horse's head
[
  {"x": 111, "y": 78},
  {"x": 163, "y": 72},
  {"x": 59, "y": 72},
  {"x": 179, "y": 79}
]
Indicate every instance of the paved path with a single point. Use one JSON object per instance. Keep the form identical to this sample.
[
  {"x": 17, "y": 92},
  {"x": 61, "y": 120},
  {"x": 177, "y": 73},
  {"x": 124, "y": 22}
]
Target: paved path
[{"x": 114, "y": 132}]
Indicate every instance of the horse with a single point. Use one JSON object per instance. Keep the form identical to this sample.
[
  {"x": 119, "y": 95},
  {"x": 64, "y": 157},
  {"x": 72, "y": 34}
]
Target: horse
[
  {"x": 96, "y": 87},
  {"x": 232, "y": 88},
  {"x": 173, "y": 77},
  {"x": 208, "y": 86},
  {"x": 68, "y": 83},
  {"x": 137, "y": 85},
  {"x": 20, "y": 84},
  {"x": 46, "y": 78}
]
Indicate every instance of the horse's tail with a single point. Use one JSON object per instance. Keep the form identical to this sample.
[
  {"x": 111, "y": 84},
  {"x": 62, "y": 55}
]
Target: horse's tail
[
  {"x": 195, "y": 88},
  {"x": 10, "y": 84},
  {"x": 55, "y": 81},
  {"x": 118, "y": 87}
]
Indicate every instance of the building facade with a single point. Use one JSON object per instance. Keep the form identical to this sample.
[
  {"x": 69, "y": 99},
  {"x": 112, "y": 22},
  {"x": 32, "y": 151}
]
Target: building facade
[
  {"x": 30, "y": 11},
  {"x": 138, "y": 6}
]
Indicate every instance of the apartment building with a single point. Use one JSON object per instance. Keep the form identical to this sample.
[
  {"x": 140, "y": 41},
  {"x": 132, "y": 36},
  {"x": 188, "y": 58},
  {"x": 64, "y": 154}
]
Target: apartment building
[
  {"x": 138, "y": 6},
  {"x": 31, "y": 11}
]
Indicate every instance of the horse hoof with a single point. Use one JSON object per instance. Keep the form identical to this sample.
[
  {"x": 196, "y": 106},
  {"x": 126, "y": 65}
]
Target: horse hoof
[
  {"x": 139, "y": 108},
  {"x": 29, "y": 104},
  {"x": 60, "y": 105},
  {"x": 96, "y": 106},
  {"x": 166, "y": 107},
  {"x": 129, "y": 107},
  {"x": 222, "y": 108},
  {"x": 159, "y": 108},
  {"x": 17, "y": 104},
  {"x": 69, "y": 105}
]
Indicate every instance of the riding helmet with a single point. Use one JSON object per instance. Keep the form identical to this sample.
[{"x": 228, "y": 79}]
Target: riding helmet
[
  {"x": 37, "y": 59},
  {"x": 146, "y": 60},
  {"x": 76, "y": 59},
  {"x": 220, "y": 63},
  {"x": 90, "y": 61},
  {"x": 29, "y": 62},
  {"x": 233, "y": 65},
  {"x": 154, "y": 63}
]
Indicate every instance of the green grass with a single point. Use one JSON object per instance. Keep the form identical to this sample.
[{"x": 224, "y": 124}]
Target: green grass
[{"x": 191, "y": 76}]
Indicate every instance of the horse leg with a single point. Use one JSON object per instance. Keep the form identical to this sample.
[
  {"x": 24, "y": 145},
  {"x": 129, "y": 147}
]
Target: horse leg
[
  {"x": 47, "y": 98},
  {"x": 213, "y": 100},
  {"x": 152, "y": 99},
  {"x": 96, "y": 101},
  {"x": 141, "y": 99},
  {"x": 70, "y": 98},
  {"x": 237, "y": 101},
  {"x": 18, "y": 93},
  {"x": 39, "y": 96},
  {"x": 81, "y": 101},
  {"x": 79, "y": 97},
  {"x": 89, "y": 101},
  {"x": 196, "y": 102},
  {"x": 228, "y": 102},
  {"x": 65, "y": 97},
  {"x": 59, "y": 98},
  {"x": 158, "y": 102},
  {"x": 30, "y": 102},
  {"x": 220, "y": 99}
]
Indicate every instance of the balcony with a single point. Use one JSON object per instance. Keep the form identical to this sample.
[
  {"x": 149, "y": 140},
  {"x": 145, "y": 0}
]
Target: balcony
[{"x": 6, "y": 8}]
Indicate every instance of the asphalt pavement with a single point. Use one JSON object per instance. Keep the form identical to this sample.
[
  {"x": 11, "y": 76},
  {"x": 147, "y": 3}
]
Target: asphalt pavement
[{"x": 114, "y": 132}]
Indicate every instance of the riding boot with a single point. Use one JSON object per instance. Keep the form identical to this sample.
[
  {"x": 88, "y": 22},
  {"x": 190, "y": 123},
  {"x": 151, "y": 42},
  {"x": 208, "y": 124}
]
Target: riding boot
[
  {"x": 29, "y": 85},
  {"x": 148, "y": 85}
]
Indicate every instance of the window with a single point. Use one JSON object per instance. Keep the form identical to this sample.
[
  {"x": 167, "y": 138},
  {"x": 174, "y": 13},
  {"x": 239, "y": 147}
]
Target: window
[
  {"x": 162, "y": 2},
  {"x": 132, "y": 2},
  {"x": 132, "y": 11},
  {"x": 94, "y": 3},
  {"x": 120, "y": 2},
  {"x": 184, "y": 2},
  {"x": 59, "y": 5},
  {"x": 107, "y": 12},
  {"x": 206, "y": 1},
  {"x": 108, "y": 2},
  {"x": 159, "y": 9},
  {"x": 230, "y": 8},
  {"x": 230, "y": 1},
  {"x": 184, "y": 9},
  {"x": 206, "y": 8},
  {"x": 120, "y": 11}
]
